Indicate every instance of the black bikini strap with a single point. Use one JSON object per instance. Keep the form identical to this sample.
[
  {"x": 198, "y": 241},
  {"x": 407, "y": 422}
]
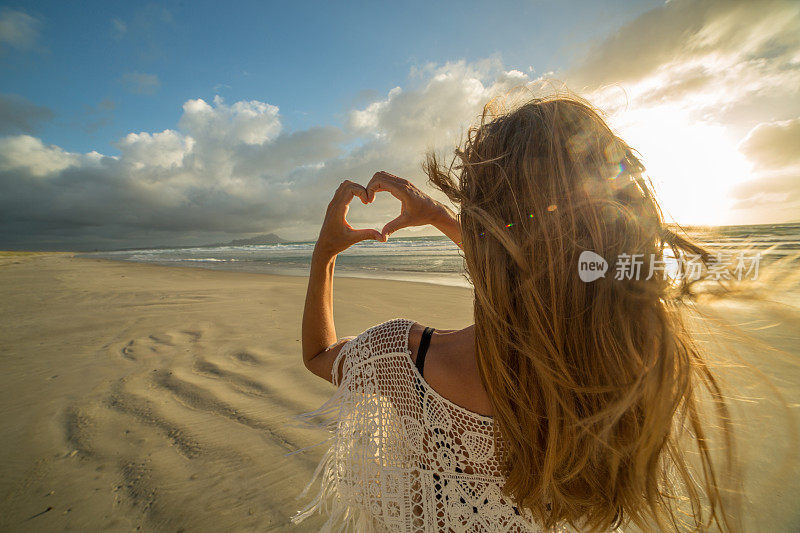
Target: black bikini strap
[{"x": 423, "y": 348}]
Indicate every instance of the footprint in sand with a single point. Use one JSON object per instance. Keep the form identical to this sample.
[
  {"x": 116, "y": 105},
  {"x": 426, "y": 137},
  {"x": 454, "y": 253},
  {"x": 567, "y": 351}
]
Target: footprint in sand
[
  {"x": 157, "y": 344},
  {"x": 195, "y": 423}
]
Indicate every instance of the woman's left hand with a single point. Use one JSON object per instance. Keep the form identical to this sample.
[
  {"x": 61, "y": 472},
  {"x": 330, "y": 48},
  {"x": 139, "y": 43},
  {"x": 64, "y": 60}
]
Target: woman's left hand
[
  {"x": 416, "y": 207},
  {"x": 337, "y": 234}
]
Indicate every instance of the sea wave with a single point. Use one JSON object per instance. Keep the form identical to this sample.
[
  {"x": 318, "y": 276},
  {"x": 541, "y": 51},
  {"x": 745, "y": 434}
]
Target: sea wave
[{"x": 429, "y": 257}]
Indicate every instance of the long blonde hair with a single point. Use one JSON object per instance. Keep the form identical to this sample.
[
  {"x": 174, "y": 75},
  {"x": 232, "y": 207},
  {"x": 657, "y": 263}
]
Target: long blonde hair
[{"x": 597, "y": 387}]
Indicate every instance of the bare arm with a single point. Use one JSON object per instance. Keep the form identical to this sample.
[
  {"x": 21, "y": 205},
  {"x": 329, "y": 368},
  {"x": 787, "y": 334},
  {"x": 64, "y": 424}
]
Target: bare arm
[
  {"x": 448, "y": 224},
  {"x": 320, "y": 344}
]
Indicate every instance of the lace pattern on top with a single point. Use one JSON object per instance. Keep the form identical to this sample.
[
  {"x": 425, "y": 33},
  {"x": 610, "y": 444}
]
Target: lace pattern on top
[{"x": 402, "y": 457}]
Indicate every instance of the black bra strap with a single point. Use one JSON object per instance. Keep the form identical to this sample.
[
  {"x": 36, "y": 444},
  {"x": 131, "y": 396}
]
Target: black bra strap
[{"x": 424, "y": 342}]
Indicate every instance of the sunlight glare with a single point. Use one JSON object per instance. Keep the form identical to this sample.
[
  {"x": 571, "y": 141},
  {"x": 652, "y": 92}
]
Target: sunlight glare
[{"x": 693, "y": 164}]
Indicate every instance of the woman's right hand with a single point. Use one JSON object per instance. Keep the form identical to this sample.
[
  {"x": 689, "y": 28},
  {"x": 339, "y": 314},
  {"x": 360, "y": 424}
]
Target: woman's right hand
[
  {"x": 336, "y": 234},
  {"x": 417, "y": 208}
]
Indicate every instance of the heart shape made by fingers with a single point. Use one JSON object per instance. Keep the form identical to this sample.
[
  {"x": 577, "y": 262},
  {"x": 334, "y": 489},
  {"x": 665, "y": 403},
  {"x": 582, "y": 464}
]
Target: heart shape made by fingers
[
  {"x": 415, "y": 206},
  {"x": 390, "y": 227}
]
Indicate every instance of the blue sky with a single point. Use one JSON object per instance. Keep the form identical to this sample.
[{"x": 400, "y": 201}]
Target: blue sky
[
  {"x": 313, "y": 60},
  {"x": 180, "y": 123}
]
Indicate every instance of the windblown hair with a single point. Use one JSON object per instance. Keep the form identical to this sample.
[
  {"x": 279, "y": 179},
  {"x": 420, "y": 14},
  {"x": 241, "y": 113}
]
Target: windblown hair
[{"x": 598, "y": 388}]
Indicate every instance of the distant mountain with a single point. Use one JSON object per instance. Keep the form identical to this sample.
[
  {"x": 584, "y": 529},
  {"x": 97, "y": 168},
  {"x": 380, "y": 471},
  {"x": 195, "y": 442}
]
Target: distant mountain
[{"x": 268, "y": 238}]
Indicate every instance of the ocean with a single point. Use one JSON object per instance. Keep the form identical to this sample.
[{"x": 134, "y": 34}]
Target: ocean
[
  {"x": 426, "y": 259},
  {"x": 434, "y": 259}
]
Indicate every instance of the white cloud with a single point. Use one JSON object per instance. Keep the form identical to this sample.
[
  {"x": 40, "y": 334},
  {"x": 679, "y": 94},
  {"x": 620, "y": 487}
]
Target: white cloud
[
  {"x": 165, "y": 149},
  {"x": 18, "y": 29},
  {"x": 30, "y": 156},
  {"x": 244, "y": 122},
  {"x": 438, "y": 109},
  {"x": 366, "y": 120}
]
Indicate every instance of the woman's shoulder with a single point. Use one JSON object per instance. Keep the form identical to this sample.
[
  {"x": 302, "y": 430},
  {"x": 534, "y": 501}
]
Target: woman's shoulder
[
  {"x": 451, "y": 368},
  {"x": 391, "y": 336}
]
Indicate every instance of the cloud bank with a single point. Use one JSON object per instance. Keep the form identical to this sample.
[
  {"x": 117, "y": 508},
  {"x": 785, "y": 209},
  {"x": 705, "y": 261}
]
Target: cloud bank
[
  {"x": 706, "y": 91},
  {"x": 686, "y": 83},
  {"x": 229, "y": 169}
]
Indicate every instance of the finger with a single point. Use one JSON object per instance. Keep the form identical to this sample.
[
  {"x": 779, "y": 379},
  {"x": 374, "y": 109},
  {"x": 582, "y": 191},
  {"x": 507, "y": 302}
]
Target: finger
[
  {"x": 389, "y": 178},
  {"x": 394, "y": 225},
  {"x": 360, "y": 191},
  {"x": 383, "y": 181},
  {"x": 345, "y": 193},
  {"x": 349, "y": 189},
  {"x": 365, "y": 234}
]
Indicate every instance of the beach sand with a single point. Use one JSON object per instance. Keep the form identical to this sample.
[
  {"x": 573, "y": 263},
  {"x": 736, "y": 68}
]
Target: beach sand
[{"x": 136, "y": 396}]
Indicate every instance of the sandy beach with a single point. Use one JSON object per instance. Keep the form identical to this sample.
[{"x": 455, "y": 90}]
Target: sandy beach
[{"x": 136, "y": 396}]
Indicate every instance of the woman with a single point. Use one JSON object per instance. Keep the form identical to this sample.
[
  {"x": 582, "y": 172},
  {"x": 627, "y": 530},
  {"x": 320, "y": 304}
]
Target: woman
[{"x": 568, "y": 403}]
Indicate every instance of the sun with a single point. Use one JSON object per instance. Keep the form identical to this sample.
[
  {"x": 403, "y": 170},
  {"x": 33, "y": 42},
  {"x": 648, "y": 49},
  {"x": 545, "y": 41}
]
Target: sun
[{"x": 694, "y": 164}]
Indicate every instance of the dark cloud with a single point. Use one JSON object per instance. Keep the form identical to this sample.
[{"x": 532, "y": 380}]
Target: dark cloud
[
  {"x": 774, "y": 151},
  {"x": 717, "y": 60},
  {"x": 97, "y": 116},
  {"x": 767, "y": 189},
  {"x": 141, "y": 83},
  {"x": 20, "y": 115},
  {"x": 681, "y": 31},
  {"x": 770, "y": 198},
  {"x": 774, "y": 144}
]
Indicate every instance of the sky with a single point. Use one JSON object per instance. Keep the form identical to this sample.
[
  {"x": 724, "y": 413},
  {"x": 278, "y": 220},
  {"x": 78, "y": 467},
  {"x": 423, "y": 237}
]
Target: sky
[{"x": 181, "y": 123}]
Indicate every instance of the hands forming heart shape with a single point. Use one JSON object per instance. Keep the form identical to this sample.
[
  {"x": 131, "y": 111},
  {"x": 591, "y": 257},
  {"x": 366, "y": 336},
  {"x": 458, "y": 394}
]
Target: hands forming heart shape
[{"x": 417, "y": 209}]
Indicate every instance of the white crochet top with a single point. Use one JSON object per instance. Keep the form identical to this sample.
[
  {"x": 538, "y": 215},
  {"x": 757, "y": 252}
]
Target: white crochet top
[{"x": 402, "y": 457}]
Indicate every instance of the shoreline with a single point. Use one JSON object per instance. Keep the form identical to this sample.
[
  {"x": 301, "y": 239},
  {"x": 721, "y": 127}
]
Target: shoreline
[
  {"x": 140, "y": 395},
  {"x": 433, "y": 278}
]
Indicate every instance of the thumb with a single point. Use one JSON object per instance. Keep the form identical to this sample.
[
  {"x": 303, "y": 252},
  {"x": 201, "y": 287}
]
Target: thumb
[
  {"x": 394, "y": 225},
  {"x": 366, "y": 234}
]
